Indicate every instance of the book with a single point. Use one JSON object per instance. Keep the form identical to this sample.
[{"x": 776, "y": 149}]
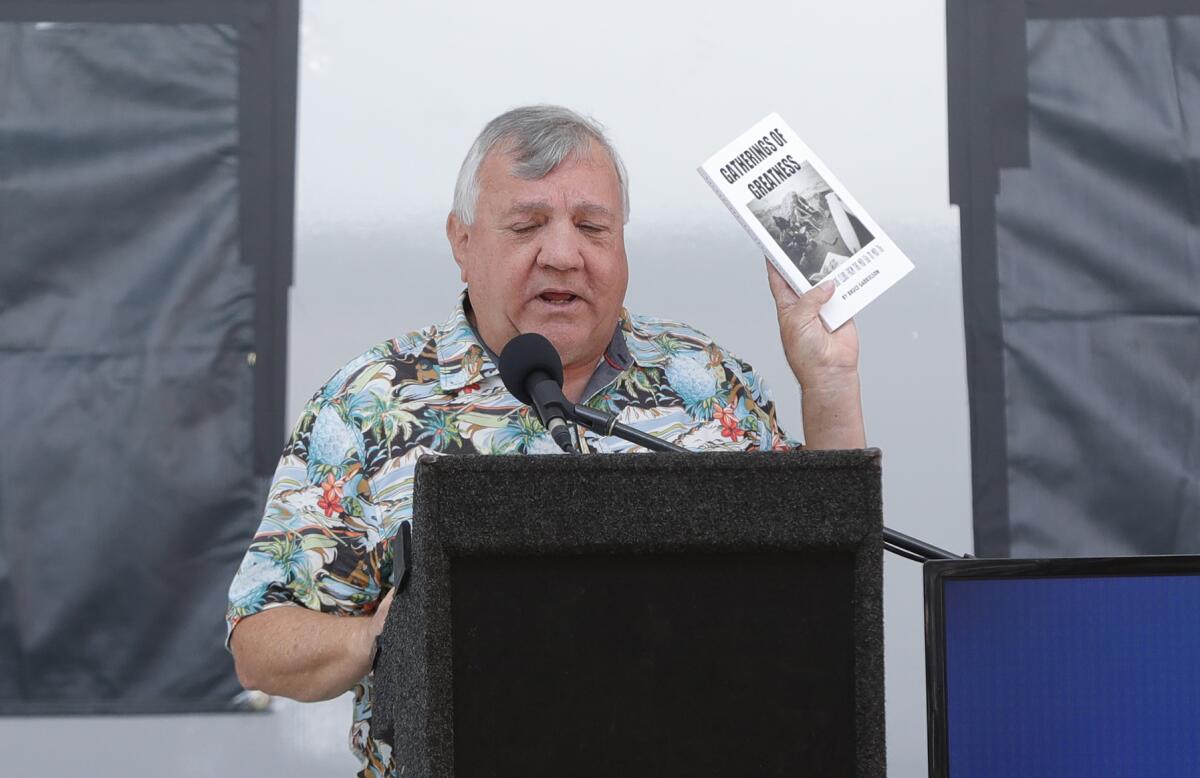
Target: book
[{"x": 803, "y": 219}]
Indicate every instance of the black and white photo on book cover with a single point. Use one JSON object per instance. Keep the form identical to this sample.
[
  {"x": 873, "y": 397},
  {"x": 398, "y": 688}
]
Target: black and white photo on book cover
[
  {"x": 804, "y": 220},
  {"x": 811, "y": 224}
]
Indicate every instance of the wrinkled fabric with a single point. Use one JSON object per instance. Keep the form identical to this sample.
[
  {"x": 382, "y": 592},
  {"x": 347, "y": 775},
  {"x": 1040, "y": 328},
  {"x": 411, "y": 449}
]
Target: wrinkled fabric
[
  {"x": 126, "y": 316},
  {"x": 1099, "y": 272},
  {"x": 345, "y": 480}
]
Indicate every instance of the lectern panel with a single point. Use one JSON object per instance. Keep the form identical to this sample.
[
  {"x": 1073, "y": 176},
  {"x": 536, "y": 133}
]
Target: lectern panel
[{"x": 653, "y": 664}]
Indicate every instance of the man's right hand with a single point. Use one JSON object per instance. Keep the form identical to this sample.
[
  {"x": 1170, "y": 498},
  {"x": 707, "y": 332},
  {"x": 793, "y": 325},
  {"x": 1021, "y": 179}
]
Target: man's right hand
[
  {"x": 378, "y": 621},
  {"x": 380, "y": 615},
  {"x": 291, "y": 651}
]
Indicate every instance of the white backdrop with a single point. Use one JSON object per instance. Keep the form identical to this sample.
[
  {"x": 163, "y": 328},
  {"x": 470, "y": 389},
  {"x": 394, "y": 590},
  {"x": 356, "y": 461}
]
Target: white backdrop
[{"x": 391, "y": 95}]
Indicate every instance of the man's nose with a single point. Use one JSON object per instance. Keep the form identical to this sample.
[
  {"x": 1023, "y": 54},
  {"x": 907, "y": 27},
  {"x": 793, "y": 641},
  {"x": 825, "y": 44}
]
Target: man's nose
[{"x": 562, "y": 247}]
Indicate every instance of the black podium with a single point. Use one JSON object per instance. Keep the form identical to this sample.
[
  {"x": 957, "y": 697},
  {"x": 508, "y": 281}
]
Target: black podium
[{"x": 636, "y": 615}]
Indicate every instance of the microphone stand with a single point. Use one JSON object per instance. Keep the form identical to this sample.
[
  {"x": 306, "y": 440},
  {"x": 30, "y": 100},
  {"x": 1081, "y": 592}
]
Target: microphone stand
[{"x": 605, "y": 423}]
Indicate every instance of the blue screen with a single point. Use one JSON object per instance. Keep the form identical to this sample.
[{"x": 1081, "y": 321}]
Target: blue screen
[{"x": 1069, "y": 677}]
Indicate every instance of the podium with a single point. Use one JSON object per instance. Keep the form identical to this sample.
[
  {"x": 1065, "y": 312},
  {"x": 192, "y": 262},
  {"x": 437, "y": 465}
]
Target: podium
[{"x": 639, "y": 615}]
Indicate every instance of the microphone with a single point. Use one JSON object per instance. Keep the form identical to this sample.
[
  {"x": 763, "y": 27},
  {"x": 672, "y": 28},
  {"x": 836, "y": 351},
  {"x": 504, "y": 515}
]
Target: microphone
[{"x": 532, "y": 372}]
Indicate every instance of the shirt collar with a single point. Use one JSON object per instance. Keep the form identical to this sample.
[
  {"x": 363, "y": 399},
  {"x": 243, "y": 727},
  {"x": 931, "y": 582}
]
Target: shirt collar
[
  {"x": 640, "y": 343},
  {"x": 463, "y": 357}
]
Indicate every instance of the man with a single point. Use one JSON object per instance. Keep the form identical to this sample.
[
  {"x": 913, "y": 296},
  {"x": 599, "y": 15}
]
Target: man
[{"x": 537, "y": 231}]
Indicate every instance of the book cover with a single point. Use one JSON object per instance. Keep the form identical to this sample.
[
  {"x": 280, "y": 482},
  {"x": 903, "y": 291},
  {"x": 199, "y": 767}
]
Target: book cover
[{"x": 804, "y": 220}]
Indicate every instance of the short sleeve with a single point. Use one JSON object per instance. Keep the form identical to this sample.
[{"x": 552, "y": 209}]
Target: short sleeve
[{"x": 318, "y": 543}]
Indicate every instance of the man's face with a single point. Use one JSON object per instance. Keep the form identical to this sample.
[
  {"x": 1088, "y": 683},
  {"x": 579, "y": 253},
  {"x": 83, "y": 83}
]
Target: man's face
[{"x": 546, "y": 255}]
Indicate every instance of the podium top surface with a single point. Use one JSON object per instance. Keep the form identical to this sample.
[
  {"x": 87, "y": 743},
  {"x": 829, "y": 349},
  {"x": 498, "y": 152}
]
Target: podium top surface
[{"x": 731, "y": 500}]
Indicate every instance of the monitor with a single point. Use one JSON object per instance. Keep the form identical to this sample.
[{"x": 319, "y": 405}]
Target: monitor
[{"x": 1063, "y": 667}]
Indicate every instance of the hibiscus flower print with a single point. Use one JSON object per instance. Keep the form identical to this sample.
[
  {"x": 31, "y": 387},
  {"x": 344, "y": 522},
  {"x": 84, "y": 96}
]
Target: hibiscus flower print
[
  {"x": 729, "y": 423},
  {"x": 331, "y": 498}
]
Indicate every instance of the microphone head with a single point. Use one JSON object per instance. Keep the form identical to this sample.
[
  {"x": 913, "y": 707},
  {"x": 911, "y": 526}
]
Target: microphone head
[{"x": 525, "y": 355}]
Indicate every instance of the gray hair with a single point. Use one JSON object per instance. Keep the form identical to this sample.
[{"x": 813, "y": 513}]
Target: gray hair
[{"x": 539, "y": 137}]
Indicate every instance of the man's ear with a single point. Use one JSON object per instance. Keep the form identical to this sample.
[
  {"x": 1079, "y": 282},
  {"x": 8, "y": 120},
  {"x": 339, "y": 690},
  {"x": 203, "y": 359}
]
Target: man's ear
[{"x": 459, "y": 235}]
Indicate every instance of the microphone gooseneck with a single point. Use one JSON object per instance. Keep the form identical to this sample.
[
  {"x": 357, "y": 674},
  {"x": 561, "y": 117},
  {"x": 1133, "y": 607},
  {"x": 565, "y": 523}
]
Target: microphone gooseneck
[{"x": 532, "y": 372}]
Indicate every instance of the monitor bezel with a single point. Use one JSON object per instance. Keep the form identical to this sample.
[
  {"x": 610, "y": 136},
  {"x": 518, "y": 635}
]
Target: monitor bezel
[{"x": 936, "y": 572}]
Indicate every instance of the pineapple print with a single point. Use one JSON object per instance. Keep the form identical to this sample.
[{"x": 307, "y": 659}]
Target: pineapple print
[
  {"x": 690, "y": 375},
  {"x": 332, "y": 441}
]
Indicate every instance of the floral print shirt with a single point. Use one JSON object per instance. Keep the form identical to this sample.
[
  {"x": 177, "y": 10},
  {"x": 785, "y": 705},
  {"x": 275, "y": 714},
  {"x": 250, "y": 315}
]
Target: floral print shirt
[{"x": 345, "y": 480}]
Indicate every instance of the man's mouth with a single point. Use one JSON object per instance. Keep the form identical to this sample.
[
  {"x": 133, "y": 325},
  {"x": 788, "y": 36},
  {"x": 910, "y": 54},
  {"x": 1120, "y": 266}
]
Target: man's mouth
[{"x": 557, "y": 298}]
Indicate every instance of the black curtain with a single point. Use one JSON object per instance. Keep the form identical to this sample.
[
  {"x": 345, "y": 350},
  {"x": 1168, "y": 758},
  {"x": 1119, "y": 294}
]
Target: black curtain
[
  {"x": 1075, "y": 145},
  {"x": 146, "y": 169}
]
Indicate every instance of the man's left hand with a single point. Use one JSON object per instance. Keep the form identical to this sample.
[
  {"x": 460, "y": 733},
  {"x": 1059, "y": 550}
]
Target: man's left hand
[
  {"x": 825, "y": 364},
  {"x": 817, "y": 356}
]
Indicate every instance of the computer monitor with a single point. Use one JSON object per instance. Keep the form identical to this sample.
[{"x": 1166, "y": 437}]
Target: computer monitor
[{"x": 1063, "y": 667}]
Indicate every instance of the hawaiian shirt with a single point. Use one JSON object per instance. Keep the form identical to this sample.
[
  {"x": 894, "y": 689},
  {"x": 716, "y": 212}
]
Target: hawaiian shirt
[{"x": 345, "y": 481}]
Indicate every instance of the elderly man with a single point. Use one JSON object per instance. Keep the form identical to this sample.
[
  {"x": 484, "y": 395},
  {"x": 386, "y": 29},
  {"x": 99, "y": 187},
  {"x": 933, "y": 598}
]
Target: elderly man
[{"x": 537, "y": 231}]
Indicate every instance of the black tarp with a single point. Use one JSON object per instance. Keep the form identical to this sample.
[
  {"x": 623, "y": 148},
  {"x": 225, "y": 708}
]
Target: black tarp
[
  {"x": 145, "y": 217},
  {"x": 1075, "y": 132}
]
